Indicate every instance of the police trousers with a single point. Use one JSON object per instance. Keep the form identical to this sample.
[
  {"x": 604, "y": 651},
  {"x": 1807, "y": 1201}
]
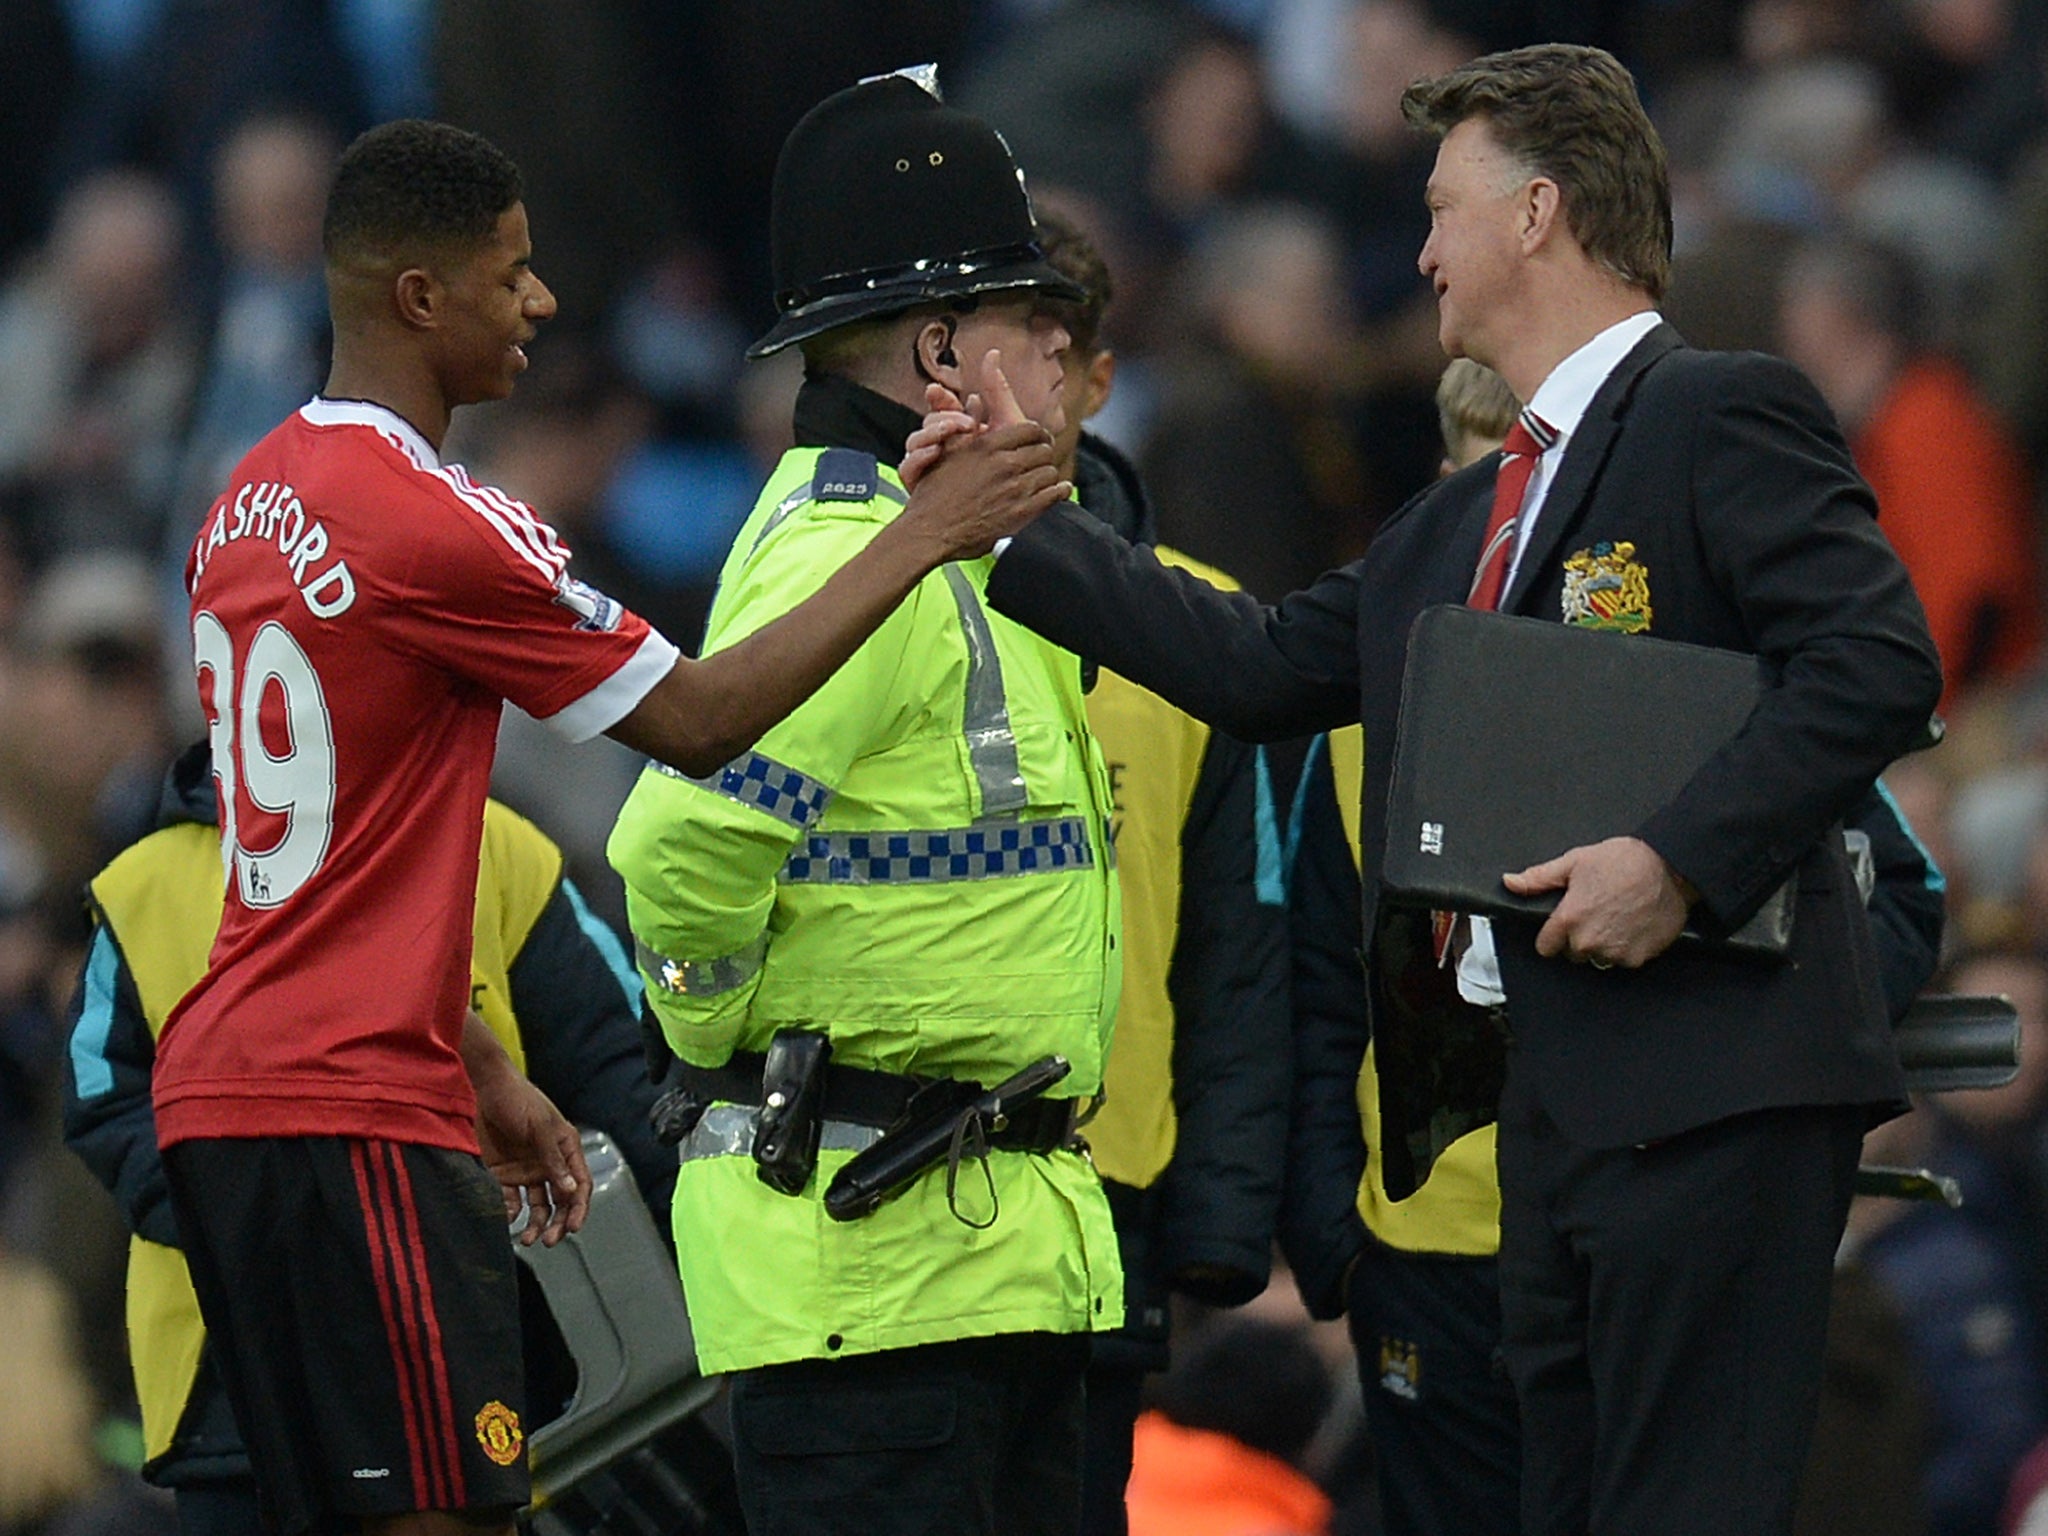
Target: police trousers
[{"x": 974, "y": 1437}]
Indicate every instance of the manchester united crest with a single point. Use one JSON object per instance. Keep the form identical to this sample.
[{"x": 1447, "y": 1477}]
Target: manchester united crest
[
  {"x": 498, "y": 1432},
  {"x": 1604, "y": 588}
]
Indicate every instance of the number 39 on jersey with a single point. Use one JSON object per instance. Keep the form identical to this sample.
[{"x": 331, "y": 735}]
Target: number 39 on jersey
[{"x": 272, "y": 738}]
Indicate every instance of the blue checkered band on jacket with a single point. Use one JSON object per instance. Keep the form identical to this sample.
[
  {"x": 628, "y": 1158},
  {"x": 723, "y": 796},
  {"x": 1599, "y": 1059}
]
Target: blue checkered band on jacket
[
  {"x": 766, "y": 785},
  {"x": 986, "y": 852}
]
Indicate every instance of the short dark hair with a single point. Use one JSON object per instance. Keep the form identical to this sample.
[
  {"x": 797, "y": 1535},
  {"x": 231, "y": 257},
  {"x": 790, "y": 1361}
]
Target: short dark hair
[
  {"x": 1073, "y": 255},
  {"x": 411, "y": 184},
  {"x": 1259, "y": 1382},
  {"x": 1572, "y": 114}
]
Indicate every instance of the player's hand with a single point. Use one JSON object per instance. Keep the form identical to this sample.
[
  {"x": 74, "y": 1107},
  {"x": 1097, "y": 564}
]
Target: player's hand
[
  {"x": 945, "y": 417},
  {"x": 948, "y": 417},
  {"x": 985, "y": 486},
  {"x": 537, "y": 1158},
  {"x": 1622, "y": 904},
  {"x": 1001, "y": 405}
]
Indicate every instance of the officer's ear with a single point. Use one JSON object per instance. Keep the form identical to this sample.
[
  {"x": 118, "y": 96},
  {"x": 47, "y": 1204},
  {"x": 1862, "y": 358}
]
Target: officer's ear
[{"x": 933, "y": 348}]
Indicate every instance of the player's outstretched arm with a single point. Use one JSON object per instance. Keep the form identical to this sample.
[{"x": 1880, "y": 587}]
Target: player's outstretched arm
[{"x": 705, "y": 713}]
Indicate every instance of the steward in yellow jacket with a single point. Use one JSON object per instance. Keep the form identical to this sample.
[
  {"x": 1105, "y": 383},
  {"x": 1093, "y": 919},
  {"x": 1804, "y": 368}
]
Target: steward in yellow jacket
[
  {"x": 551, "y": 981},
  {"x": 1192, "y": 1133}
]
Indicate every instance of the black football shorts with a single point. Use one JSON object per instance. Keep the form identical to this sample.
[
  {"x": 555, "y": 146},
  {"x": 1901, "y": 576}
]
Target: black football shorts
[{"x": 362, "y": 1304}]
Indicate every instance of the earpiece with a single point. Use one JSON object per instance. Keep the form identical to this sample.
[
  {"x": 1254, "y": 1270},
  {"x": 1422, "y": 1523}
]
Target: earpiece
[{"x": 944, "y": 356}]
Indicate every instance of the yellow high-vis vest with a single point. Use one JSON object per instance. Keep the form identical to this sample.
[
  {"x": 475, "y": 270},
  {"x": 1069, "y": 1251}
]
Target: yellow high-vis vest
[
  {"x": 917, "y": 864},
  {"x": 1155, "y": 754}
]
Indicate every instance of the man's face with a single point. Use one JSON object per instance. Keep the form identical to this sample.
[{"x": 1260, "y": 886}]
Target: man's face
[
  {"x": 1033, "y": 345},
  {"x": 1473, "y": 254},
  {"x": 494, "y": 304},
  {"x": 1085, "y": 382}
]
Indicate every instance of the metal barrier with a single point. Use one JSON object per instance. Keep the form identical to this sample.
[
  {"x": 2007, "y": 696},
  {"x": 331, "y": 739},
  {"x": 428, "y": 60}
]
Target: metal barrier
[{"x": 633, "y": 1451}]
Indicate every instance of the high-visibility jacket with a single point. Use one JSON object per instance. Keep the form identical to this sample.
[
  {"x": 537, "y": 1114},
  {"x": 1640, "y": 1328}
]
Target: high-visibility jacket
[
  {"x": 157, "y": 905},
  {"x": 917, "y": 864},
  {"x": 1133, "y": 1135}
]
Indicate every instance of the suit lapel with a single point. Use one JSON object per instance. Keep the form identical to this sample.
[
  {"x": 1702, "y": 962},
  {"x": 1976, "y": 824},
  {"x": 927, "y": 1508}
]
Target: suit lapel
[
  {"x": 1462, "y": 553},
  {"x": 1564, "y": 504}
]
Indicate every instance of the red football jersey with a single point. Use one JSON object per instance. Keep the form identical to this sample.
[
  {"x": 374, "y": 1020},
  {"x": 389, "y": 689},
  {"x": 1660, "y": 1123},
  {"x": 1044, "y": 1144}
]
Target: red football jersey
[{"x": 359, "y": 612}]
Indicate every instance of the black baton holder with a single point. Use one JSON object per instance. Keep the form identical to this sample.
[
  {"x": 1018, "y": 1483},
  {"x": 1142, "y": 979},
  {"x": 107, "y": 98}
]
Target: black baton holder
[{"x": 926, "y": 1135}]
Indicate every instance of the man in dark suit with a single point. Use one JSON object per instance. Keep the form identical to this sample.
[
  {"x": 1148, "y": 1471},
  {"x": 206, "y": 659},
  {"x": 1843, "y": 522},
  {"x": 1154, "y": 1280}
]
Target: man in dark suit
[{"x": 1678, "y": 1127}]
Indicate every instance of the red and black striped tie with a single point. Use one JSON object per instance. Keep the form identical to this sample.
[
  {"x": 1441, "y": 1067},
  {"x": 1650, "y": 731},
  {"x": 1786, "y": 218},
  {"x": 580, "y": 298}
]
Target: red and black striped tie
[{"x": 1526, "y": 441}]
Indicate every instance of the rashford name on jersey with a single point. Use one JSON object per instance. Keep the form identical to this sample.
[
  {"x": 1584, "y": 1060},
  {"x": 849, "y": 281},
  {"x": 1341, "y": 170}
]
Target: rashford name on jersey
[{"x": 271, "y": 511}]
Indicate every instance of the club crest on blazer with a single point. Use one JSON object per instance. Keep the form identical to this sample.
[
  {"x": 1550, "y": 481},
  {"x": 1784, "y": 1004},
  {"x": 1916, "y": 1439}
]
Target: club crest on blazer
[{"x": 1604, "y": 588}]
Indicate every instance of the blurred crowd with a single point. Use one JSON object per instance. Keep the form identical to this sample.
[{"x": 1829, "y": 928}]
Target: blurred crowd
[{"x": 1861, "y": 185}]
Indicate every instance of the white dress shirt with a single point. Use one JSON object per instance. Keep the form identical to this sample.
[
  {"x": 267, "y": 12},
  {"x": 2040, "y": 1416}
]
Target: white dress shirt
[{"x": 1560, "y": 402}]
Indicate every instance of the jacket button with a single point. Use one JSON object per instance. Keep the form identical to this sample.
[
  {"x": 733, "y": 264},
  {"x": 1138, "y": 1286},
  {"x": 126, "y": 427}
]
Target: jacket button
[{"x": 833, "y": 1340}]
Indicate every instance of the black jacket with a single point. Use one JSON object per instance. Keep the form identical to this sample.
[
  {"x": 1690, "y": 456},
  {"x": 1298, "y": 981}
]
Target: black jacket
[
  {"x": 1730, "y": 480},
  {"x": 1320, "y": 1229}
]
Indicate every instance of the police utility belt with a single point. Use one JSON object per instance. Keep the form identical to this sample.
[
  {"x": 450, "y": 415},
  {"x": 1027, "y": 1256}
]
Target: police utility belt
[{"x": 787, "y": 1104}]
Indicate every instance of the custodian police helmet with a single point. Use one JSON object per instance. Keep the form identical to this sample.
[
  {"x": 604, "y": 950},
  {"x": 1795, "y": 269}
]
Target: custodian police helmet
[{"x": 884, "y": 198}]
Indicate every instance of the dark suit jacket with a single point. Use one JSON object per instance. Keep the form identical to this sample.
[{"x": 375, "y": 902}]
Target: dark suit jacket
[{"x": 1754, "y": 532}]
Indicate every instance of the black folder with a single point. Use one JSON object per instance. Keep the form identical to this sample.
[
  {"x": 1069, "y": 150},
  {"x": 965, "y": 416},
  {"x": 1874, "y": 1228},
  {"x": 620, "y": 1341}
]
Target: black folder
[{"x": 1520, "y": 739}]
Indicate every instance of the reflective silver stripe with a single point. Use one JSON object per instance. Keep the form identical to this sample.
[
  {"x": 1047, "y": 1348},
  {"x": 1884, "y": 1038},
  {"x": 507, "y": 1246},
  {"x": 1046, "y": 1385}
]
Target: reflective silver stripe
[
  {"x": 787, "y": 795},
  {"x": 701, "y": 978},
  {"x": 727, "y": 1130},
  {"x": 987, "y": 851},
  {"x": 796, "y": 498},
  {"x": 991, "y": 745},
  {"x": 801, "y": 497}
]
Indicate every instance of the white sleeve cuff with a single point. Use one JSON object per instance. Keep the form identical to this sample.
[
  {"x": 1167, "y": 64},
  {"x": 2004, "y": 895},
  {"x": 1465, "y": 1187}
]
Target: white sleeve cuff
[{"x": 616, "y": 697}]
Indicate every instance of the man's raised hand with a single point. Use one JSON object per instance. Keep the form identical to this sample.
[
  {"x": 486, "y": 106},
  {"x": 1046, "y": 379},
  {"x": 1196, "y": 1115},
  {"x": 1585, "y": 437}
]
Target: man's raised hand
[
  {"x": 947, "y": 416},
  {"x": 979, "y": 469}
]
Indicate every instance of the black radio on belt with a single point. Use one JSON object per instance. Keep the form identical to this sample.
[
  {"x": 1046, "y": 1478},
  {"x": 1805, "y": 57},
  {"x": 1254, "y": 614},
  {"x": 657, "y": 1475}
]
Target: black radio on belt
[{"x": 791, "y": 1118}]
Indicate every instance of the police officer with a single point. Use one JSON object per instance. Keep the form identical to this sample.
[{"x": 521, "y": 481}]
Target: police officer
[{"x": 907, "y": 884}]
